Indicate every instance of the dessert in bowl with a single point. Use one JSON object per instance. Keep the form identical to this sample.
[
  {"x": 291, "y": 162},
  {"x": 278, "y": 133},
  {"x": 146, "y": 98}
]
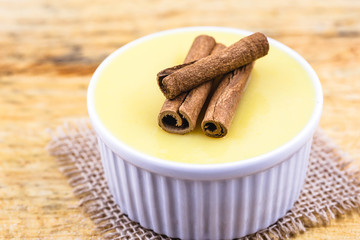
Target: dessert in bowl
[{"x": 192, "y": 186}]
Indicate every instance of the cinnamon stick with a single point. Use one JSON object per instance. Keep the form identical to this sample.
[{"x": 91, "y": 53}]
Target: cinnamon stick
[
  {"x": 196, "y": 97},
  {"x": 180, "y": 114},
  {"x": 222, "y": 106},
  {"x": 186, "y": 77}
]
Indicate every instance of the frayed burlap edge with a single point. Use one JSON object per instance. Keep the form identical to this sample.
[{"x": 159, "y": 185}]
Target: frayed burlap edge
[{"x": 332, "y": 186}]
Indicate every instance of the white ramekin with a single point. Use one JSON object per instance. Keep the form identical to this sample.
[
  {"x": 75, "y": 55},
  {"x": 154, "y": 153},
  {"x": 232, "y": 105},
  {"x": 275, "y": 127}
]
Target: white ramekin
[{"x": 215, "y": 201}]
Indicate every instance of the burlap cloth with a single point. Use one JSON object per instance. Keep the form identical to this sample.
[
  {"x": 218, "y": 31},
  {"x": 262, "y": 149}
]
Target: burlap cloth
[{"x": 331, "y": 187}]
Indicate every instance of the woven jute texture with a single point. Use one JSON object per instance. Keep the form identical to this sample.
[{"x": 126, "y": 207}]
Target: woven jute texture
[{"x": 331, "y": 188}]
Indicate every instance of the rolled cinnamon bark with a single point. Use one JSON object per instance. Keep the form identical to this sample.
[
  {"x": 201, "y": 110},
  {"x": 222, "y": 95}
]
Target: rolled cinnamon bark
[
  {"x": 245, "y": 51},
  {"x": 222, "y": 106},
  {"x": 196, "y": 97},
  {"x": 179, "y": 115}
]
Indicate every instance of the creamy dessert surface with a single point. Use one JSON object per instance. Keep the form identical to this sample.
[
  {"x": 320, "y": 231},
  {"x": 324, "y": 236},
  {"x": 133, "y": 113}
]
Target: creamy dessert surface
[{"x": 276, "y": 105}]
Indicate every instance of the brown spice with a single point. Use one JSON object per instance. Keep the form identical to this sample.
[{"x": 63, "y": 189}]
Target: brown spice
[
  {"x": 222, "y": 106},
  {"x": 196, "y": 97},
  {"x": 180, "y": 114},
  {"x": 188, "y": 76}
]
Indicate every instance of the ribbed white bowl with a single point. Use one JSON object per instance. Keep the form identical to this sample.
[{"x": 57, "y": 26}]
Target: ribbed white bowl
[
  {"x": 203, "y": 209},
  {"x": 217, "y": 201}
]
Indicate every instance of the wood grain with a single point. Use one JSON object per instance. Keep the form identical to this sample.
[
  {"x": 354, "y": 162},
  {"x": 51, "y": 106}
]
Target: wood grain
[{"x": 49, "y": 49}]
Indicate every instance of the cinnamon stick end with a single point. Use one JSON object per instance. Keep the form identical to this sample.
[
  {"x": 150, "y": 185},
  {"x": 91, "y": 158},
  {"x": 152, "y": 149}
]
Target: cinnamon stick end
[
  {"x": 261, "y": 40},
  {"x": 173, "y": 123},
  {"x": 214, "y": 129},
  {"x": 165, "y": 85}
]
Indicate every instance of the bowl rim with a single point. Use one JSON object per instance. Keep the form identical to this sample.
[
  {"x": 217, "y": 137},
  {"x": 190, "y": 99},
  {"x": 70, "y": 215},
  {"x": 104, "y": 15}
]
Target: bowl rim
[{"x": 205, "y": 171}]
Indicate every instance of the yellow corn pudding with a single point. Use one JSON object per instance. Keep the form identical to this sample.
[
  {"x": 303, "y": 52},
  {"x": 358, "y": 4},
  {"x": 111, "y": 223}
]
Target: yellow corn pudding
[{"x": 277, "y": 104}]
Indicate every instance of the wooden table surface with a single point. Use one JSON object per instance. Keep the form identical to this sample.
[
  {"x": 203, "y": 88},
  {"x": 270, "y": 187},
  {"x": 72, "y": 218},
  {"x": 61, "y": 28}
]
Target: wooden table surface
[{"x": 49, "y": 50}]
